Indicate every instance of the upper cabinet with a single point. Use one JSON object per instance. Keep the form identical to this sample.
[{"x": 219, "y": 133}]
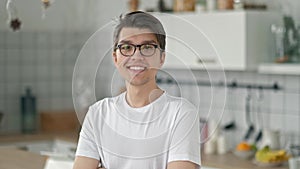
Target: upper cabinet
[{"x": 235, "y": 40}]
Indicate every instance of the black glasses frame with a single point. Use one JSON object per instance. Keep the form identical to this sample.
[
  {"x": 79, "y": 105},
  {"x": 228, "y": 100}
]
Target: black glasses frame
[{"x": 137, "y": 46}]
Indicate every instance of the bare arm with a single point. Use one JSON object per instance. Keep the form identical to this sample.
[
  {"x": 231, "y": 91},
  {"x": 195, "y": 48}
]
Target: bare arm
[
  {"x": 85, "y": 163},
  {"x": 182, "y": 165}
]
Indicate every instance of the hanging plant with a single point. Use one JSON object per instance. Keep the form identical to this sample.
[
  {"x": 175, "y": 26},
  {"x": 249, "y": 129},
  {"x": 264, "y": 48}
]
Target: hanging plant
[
  {"x": 13, "y": 20},
  {"x": 45, "y": 5}
]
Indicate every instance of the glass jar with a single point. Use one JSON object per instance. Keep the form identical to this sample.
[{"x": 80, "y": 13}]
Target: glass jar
[
  {"x": 225, "y": 4},
  {"x": 279, "y": 32}
]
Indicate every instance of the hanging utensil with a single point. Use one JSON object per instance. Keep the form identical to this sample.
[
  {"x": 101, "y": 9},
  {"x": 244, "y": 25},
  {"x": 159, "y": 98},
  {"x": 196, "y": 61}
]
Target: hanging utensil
[
  {"x": 229, "y": 107},
  {"x": 229, "y": 125},
  {"x": 249, "y": 122},
  {"x": 259, "y": 115}
]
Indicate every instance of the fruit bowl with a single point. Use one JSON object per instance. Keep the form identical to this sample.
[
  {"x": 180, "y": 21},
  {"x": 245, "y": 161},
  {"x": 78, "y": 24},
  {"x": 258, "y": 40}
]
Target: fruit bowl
[
  {"x": 268, "y": 164},
  {"x": 244, "y": 150},
  {"x": 269, "y": 158},
  {"x": 244, "y": 154}
]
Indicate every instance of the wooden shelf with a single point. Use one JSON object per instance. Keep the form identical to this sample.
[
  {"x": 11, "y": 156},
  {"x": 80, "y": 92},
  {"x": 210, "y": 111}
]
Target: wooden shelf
[{"x": 284, "y": 68}]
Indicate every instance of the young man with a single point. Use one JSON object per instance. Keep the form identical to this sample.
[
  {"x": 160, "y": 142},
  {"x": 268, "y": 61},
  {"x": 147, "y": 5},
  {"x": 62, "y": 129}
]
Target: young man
[{"x": 144, "y": 127}]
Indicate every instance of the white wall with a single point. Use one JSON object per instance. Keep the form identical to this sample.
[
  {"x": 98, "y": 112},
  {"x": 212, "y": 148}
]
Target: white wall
[
  {"x": 289, "y": 7},
  {"x": 62, "y": 14},
  {"x": 90, "y": 14},
  {"x": 293, "y": 7},
  {"x": 35, "y": 56}
]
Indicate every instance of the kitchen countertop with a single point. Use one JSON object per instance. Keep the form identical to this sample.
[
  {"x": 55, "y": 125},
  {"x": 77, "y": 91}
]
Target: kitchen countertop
[
  {"x": 13, "y": 158},
  {"x": 67, "y": 136},
  {"x": 27, "y": 160},
  {"x": 230, "y": 161}
]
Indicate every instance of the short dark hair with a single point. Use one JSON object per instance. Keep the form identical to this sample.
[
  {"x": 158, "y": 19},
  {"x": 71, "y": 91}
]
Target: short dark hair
[{"x": 139, "y": 19}]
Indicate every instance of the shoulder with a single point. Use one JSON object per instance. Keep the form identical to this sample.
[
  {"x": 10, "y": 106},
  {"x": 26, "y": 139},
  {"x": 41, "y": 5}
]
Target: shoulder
[
  {"x": 180, "y": 108},
  {"x": 103, "y": 105},
  {"x": 180, "y": 103}
]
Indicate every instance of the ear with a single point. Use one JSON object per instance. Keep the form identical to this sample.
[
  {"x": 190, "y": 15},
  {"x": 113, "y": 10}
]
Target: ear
[
  {"x": 114, "y": 57},
  {"x": 162, "y": 58}
]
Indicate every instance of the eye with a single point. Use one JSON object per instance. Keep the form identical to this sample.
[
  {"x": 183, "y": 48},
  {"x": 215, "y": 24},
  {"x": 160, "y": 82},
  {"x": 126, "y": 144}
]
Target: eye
[
  {"x": 147, "y": 46},
  {"x": 126, "y": 47}
]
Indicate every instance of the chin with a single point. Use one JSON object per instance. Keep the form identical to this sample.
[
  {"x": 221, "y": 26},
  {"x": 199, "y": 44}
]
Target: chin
[
  {"x": 138, "y": 82},
  {"x": 134, "y": 83}
]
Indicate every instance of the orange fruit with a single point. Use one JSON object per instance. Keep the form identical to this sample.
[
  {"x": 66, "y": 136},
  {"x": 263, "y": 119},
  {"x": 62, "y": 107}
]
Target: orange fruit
[{"x": 243, "y": 146}]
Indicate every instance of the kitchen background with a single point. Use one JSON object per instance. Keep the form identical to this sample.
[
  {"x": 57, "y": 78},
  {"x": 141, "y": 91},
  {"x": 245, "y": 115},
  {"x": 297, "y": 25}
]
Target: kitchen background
[{"x": 43, "y": 52}]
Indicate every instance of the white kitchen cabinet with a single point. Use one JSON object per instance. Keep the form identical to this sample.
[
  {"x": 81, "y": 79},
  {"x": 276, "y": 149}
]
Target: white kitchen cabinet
[{"x": 235, "y": 40}]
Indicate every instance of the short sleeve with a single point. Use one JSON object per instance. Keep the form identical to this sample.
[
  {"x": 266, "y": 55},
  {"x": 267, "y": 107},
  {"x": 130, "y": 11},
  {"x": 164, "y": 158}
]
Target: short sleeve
[
  {"x": 87, "y": 146},
  {"x": 185, "y": 143}
]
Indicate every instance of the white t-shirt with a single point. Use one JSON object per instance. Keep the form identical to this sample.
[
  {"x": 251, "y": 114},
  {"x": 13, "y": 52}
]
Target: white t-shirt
[{"x": 123, "y": 137}]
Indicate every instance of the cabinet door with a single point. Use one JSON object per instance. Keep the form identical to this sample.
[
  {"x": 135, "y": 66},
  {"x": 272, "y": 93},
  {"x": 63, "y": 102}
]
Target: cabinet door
[
  {"x": 226, "y": 32},
  {"x": 235, "y": 40},
  {"x": 187, "y": 45}
]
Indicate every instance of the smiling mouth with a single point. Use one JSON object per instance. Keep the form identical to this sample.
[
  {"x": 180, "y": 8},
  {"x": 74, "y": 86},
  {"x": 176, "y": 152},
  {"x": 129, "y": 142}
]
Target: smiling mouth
[{"x": 136, "y": 68}]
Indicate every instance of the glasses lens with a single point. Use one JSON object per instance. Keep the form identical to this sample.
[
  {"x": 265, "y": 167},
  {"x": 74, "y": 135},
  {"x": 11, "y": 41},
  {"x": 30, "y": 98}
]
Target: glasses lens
[
  {"x": 148, "y": 49},
  {"x": 127, "y": 49}
]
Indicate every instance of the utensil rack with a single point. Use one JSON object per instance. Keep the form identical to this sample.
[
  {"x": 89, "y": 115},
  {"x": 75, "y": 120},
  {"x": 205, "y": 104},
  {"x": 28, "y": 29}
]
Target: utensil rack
[{"x": 232, "y": 84}]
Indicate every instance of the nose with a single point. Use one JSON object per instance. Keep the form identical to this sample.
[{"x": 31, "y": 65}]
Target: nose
[{"x": 137, "y": 55}]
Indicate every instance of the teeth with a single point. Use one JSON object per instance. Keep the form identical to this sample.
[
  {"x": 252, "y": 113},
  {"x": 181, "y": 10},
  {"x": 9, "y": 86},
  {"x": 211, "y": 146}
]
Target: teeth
[{"x": 136, "y": 68}]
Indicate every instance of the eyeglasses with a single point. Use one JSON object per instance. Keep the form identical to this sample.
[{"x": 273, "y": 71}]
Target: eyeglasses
[{"x": 129, "y": 49}]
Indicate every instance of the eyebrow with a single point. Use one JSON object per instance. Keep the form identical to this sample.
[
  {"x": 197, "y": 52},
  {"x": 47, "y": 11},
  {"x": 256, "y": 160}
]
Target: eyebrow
[{"x": 144, "y": 42}]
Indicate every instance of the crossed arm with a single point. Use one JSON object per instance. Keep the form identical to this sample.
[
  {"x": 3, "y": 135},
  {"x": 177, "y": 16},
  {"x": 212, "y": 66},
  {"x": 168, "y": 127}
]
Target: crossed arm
[{"x": 90, "y": 163}]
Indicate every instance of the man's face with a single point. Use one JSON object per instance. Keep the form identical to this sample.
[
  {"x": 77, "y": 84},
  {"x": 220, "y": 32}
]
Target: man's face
[{"x": 138, "y": 69}]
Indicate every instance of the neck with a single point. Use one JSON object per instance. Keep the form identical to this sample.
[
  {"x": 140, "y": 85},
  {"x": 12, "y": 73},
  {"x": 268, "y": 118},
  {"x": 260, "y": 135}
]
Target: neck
[{"x": 139, "y": 96}]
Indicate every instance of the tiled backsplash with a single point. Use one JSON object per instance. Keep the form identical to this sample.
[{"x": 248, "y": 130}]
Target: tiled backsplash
[
  {"x": 45, "y": 61},
  {"x": 279, "y": 109}
]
